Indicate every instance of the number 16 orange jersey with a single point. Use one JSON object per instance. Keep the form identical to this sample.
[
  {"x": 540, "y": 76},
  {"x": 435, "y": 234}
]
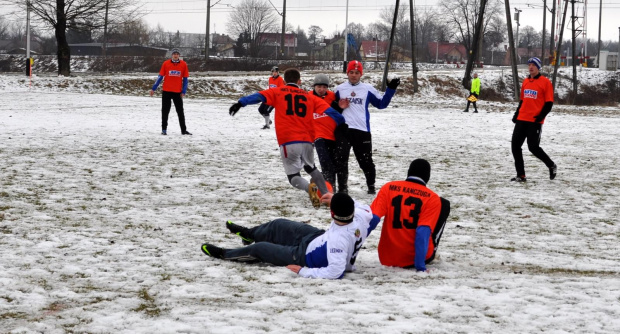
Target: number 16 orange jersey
[
  {"x": 294, "y": 115},
  {"x": 405, "y": 205}
]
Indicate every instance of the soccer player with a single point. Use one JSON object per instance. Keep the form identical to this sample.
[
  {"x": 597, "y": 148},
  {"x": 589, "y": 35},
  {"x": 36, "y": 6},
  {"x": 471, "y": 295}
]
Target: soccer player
[
  {"x": 175, "y": 75},
  {"x": 302, "y": 248},
  {"x": 275, "y": 80},
  {"x": 294, "y": 117},
  {"x": 536, "y": 102},
  {"x": 415, "y": 218},
  {"x": 358, "y": 96},
  {"x": 325, "y": 126}
]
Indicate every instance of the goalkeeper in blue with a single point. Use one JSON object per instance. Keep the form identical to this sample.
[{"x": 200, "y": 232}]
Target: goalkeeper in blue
[{"x": 304, "y": 249}]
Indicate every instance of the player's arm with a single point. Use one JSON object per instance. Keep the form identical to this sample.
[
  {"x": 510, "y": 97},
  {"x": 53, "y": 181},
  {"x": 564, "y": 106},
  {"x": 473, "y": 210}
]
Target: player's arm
[
  {"x": 185, "y": 82},
  {"x": 546, "y": 109},
  {"x": 381, "y": 102},
  {"x": 336, "y": 263},
  {"x": 244, "y": 101},
  {"x": 159, "y": 80},
  {"x": 422, "y": 237}
]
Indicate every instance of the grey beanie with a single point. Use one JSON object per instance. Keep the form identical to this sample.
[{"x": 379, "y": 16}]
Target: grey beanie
[
  {"x": 321, "y": 79},
  {"x": 175, "y": 50}
]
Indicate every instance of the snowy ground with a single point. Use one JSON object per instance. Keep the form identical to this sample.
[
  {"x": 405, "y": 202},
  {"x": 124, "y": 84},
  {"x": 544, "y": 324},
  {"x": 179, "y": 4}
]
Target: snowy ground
[{"x": 102, "y": 218}]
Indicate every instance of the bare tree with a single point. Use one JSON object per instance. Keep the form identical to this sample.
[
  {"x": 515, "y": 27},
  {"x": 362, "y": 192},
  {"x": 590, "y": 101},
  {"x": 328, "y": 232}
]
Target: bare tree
[
  {"x": 253, "y": 17},
  {"x": 529, "y": 38},
  {"x": 462, "y": 15},
  {"x": 402, "y": 32},
  {"x": 61, "y": 15},
  {"x": 314, "y": 34},
  {"x": 4, "y": 28},
  {"x": 135, "y": 32}
]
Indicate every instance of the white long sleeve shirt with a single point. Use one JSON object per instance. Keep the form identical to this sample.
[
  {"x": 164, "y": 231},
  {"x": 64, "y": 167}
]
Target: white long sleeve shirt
[
  {"x": 360, "y": 96},
  {"x": 333, "y": 253}
]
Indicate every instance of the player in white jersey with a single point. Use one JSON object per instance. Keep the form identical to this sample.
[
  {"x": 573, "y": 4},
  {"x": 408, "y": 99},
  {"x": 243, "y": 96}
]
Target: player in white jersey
[
  {"x": 304, "y": 249},
  {"x": 357, "y": 96}
]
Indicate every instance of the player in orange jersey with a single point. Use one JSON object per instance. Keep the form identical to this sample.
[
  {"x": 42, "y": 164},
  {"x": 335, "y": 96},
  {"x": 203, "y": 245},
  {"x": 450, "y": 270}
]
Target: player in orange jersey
[
  {"x": 324, "y": 127},
  {"x": 275, "y": 80},
  {"x": 294, "y": 117},
  {"x": 536, "y": 102},
  {"x": 414, "y": 221},
  {"x": 174, "y": 73}
]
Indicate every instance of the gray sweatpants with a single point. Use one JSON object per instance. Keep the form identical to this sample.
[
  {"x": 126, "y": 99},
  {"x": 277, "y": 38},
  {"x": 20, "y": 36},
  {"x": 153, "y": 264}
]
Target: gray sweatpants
[{"x": 280, "y": 242}]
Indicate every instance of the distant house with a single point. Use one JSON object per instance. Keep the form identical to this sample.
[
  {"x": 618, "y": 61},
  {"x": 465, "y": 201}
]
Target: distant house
[
  {"x": 374, "y": 50},
  {"x": 523, "y": 54},
  {"x": 116, "y": 49},
  {"x": 447, "y": 52},
  {"x": 272, "y": 42}
]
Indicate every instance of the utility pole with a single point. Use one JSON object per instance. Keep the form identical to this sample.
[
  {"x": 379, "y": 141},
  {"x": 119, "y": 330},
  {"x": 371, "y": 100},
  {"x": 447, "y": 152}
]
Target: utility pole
[
  {"x": 414, "y": 64},
  {"x": 104, "y": 50},
  {"x": 552, "y": 39},
  {"x": 513, "y": 55},
  {"x": 473, "y": 53},
  {"x": 346, "y": 38},
  {"x": 517, "y": 11},
  {"x": 389, "y": 53},
  {"x": 28, "y": 61},
  {"x": 283, "y": 29},
  {"x": 574, "y": 33},
  {"x": 559, "y": 49},
  {"x": 542, "y": 58},
  {"x": 600, "y": 14},
  {"x": 207, "y": 35}
]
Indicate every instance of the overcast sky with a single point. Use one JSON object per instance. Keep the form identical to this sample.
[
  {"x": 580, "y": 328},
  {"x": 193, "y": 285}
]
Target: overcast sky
[{"x": 190, "y": 15}]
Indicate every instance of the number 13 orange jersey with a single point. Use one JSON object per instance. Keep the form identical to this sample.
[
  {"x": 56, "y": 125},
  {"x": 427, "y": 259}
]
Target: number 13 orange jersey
[{"x": 405, "y": 206}]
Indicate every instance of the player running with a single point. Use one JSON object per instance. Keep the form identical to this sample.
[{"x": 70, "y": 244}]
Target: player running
[
  {"x": 294, "y": 112},
  {"x": 275, "y": 80}
]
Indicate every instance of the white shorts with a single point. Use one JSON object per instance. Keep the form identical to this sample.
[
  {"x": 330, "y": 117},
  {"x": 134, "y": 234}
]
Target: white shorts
[{"x": 295, "y": 156}]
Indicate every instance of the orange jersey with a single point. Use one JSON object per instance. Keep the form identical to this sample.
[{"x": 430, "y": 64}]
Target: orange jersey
[
  {"x": 294, "y": 113},
  {"x": 324, "y": 125},
  {"x": 534, "y": 93},
  {"x": 173, "y": 74},
  {"x": 405, "y": 206},
  {"x": 276, "y": 82}
]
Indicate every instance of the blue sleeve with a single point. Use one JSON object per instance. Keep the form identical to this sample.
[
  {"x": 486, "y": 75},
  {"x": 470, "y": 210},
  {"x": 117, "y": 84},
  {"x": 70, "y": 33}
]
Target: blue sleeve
[
  {"x": 336, "y": 116},
  {"x": 159, "y": 79},
  {"x": 422, "y": 235},
  {"x": 252, "y": 99},
  {"x": 184, "y": 86},
  {"x": 337, "y": 96},
  {"x": 373, "y": 223},
  {"x": 383, "y": 102}
]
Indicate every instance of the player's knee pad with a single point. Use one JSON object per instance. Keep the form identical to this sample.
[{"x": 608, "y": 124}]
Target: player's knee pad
[
  {"x": 291, "y": 176},
  {"x": 309, "y": 169}
]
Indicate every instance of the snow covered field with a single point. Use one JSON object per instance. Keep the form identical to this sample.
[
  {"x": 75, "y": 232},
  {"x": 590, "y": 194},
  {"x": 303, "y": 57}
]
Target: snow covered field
[{"x": 102, "y": 218}]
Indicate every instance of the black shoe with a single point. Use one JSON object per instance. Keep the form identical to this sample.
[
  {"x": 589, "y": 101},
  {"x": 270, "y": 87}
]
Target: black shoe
[
  {"x": 553, "y": 170},
  {"x": 266, "y": 127},
  {"x": 466, "y": 110},
  {"x": 213, "y": 251},
  {"x": 240, "y": 231},
  {"x": 163, "y": 132},
  {"x": 186, "y": 133},
  {"x": 476, "y": 111},
  {"x": 519, "y": 178},
  {"x": 371, "y": 190}
]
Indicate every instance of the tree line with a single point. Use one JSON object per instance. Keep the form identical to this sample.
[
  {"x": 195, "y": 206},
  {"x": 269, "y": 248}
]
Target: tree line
[{"x": 119, "y": 21}]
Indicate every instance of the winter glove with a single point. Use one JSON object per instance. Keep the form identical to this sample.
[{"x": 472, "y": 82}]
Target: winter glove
[
  {"x": 393, "y": 83},
  {"x": 474, "y": 94},
  {"x": 539, "y": 118},
  {"x": 234, "y": 108},
  {"x": 514, "y": 117}
]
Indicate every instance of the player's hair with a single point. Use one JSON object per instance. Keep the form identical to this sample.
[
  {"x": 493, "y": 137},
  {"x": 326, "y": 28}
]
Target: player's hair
[{"x": 292, "y": 75}]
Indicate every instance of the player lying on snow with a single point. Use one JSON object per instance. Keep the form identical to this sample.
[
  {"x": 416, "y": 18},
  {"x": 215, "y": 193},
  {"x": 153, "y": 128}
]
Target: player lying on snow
[
  {"x": 294, "y": 117},
  {"x": 304, "y": 249}
]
